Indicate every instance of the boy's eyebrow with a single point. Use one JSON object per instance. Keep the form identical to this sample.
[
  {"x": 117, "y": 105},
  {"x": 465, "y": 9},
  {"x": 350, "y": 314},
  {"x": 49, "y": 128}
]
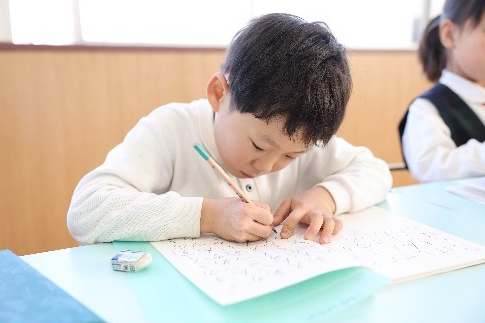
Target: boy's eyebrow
[
  {"x": 269, "y": 141},
  {"x": 274, "y": 144}
]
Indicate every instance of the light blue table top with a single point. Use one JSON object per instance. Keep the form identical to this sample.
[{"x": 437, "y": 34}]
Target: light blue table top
[
  {"x": 161, "y": 293},
  {"x": 432, "y": 205}
]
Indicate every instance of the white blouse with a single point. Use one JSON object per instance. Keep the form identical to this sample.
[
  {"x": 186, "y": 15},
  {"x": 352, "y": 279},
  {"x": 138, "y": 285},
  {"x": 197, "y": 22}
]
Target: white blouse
[{"x": 430, "y": 152}]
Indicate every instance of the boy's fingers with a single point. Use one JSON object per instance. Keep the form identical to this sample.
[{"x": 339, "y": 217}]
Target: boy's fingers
[
  {"x": 281, "y": 212},
  {"x": 262, "y": 205},
  {"x": 291, "y": 222},
  {"x": 328, "y": 226},
  {"x": 316, "y": 222},
  {"x": 338, "y": 226},
  {"x": 262, "y": 231},
  {"x": 263, "y": 216},
  {"x": 251, "y": 237}
]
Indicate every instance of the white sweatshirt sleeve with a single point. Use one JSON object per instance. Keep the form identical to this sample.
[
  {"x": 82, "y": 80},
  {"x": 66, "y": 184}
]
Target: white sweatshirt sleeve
[
  {"x": 126, "y": 198},
  {"x": 356, "y": 179},
  {"x": 431, "y": 154}
]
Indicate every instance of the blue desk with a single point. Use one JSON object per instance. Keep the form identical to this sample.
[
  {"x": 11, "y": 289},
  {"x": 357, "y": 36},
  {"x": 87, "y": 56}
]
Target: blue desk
[
  {"x": 432, "y": 205},
  {"x": 457, "y": 296}
]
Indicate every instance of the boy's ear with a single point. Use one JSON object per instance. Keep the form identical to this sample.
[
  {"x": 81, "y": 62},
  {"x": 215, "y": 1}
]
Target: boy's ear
[
  {"x": 447, "y": 34},
  {"x": 216, "y": 89}
]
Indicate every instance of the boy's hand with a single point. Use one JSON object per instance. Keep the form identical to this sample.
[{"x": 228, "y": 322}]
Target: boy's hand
[
  {"x": 314, "y": 207},
  {"x": 234, "y": 220}
]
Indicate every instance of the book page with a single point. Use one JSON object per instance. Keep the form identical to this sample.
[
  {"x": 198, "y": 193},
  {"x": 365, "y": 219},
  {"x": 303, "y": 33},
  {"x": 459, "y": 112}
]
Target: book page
[{"x": 394, "y": 246}]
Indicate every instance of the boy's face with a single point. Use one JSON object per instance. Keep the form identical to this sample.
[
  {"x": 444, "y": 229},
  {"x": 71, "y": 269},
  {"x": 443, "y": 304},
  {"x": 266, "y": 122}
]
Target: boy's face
[{"x": 249, "y": 147}]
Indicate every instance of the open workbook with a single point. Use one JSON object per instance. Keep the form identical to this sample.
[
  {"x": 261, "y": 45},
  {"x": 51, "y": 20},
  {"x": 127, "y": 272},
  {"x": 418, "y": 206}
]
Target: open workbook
[{"x": 391, "y": 245}]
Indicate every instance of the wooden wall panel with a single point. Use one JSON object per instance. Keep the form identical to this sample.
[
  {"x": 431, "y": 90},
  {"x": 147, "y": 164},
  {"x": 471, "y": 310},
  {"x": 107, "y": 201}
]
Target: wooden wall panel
[
  {"x": 384, "y": 85},
  {"x": 62, "y": 111}
]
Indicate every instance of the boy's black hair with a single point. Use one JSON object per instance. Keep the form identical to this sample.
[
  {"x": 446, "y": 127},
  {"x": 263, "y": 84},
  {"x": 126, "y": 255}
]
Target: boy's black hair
[
  {"x": 432, "y": 54},
  {"x": 280, "y": 66}
]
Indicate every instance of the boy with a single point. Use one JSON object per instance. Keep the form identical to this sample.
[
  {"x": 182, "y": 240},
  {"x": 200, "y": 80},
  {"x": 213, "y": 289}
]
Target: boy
[{"x": 283, "y": 89}]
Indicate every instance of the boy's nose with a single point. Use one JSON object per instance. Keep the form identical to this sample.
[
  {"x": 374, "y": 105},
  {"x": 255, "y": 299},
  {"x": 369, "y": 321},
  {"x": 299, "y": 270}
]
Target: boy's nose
[{"x": 263, "y": 166}]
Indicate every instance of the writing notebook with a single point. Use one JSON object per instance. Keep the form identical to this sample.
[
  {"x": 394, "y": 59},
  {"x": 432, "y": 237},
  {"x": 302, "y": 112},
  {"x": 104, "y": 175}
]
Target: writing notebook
[{"x": 391, "y": 245}]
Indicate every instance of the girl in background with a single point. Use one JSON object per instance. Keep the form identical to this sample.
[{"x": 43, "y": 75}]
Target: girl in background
[{"x": 443, "y": 131}]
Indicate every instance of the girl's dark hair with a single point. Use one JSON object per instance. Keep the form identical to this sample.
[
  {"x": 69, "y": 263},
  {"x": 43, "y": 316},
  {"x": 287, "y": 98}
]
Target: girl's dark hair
[
  {"x": 432, "y": 53},
  {"x": 279, "y": 65}
]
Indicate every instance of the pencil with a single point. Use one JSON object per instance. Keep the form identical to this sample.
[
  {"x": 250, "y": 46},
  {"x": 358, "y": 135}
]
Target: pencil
[{"x": 223, "y": 174}]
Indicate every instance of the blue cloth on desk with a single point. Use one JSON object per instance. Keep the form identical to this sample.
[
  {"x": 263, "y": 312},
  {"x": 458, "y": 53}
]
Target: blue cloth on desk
[{"x": 28, "y": 296}]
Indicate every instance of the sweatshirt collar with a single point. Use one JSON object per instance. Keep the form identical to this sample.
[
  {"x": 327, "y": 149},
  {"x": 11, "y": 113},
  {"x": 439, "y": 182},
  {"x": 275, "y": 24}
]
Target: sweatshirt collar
[{"x": 206, "y": 130}]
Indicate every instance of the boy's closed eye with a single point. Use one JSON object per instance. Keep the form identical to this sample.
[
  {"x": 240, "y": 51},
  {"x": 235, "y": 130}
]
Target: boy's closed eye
[
  {"x": 257, "y": 147},
  {"x": 261, "y": 149}
]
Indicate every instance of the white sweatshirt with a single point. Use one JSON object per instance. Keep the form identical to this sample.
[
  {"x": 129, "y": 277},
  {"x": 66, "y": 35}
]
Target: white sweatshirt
[
  {"x": 152, "y": 185},
  {"x": 430, "y": 152}
]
